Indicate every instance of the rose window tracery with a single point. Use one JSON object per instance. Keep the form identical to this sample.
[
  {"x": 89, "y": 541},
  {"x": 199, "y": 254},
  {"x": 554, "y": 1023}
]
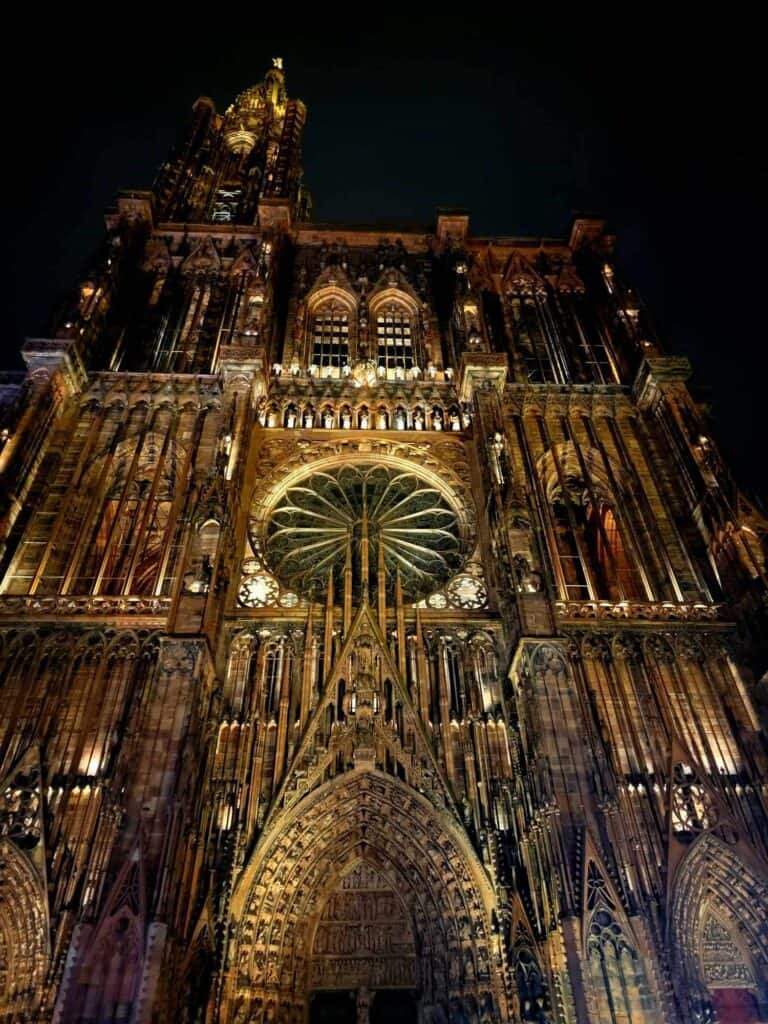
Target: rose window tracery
[{"x": 325, "y": 522}]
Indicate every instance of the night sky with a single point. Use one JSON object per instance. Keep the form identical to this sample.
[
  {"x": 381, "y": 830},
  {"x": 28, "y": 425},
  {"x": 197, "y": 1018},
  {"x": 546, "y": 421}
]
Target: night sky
[{"x": 656, "y": 125}]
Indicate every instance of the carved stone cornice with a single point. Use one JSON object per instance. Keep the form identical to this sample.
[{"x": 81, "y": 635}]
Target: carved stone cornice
[
  {"x": 590, "y": 231},
  {"x": 594, "y": 400},
  {"x": 132, "y": 207},
  {"x": 647, "y": 611},
  {"x": 274, "y": 214},
  {"x": 106, "y": 388},
  {"x": 452, "y": 226},
  {"x": 659, "y": 372},
  {"x": 152, "y": 610}
]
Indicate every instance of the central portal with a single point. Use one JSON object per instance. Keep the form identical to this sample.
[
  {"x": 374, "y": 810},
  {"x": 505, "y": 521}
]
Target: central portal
[{"x": 362, "y": 899}]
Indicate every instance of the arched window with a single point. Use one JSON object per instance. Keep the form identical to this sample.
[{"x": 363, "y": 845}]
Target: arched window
[
  {"x": 617, "y": 577},
  {"x": 591, "y": 552},
  {"x": 619, "y": 985},
  {"x": 453, "y": 679},
  {"x": 394, "y": 338},
  {"x": 130, "y": 539},
  {"x": 596, "y": 554},
  {"x": 272, "y": 670},
  {"x": 330, "y": 338},
  {"x": 530, "y": 985},
  {"x": 531, "y": 339}
]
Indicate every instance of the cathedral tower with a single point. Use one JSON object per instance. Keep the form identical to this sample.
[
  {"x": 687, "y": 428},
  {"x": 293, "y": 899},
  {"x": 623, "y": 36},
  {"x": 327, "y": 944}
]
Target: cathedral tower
[{"x": 382, "y": 633}]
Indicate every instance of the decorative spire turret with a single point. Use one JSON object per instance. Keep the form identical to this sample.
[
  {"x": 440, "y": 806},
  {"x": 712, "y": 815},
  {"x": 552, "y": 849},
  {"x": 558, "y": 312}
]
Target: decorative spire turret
[{"x": 242, "y": 166}]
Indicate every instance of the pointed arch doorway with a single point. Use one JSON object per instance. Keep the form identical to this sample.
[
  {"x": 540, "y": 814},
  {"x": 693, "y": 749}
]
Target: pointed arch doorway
[
  {"x": 718, "y": 912},
  {"x": 363, "y": 886},
  {"x": 386, "y": 1006}
]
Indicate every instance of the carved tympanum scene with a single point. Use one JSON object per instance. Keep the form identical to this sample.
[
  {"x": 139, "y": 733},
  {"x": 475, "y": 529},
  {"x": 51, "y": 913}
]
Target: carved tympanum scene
[{"x": 383, "y": 636}]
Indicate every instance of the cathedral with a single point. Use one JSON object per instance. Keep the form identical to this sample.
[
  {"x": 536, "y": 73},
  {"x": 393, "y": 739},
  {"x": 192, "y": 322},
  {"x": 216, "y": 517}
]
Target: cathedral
[{"x": 383, "y": 635}]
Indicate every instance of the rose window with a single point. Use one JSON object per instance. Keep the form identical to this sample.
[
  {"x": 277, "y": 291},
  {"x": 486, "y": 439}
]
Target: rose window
[{"x": 330, "y": 516}]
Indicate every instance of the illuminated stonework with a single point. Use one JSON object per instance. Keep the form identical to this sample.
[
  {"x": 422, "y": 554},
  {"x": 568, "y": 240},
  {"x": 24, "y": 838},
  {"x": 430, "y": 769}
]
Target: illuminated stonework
[{"x": 382, "y": 637}]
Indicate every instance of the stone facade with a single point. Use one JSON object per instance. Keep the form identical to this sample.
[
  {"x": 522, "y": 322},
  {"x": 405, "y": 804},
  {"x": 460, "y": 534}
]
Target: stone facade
[{"x": 383, "y": 637}]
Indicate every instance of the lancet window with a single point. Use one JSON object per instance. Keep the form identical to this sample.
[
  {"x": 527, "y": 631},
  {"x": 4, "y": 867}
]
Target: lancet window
[
  {"x": 532, "y": 341},
  {"x": 591, "y": 551},
  {"x": 330, "y": 338},
  {"x": 117, "y": 534},
  {"x": 595, "y": 554},
  {"x": 125, "y": 546},
  {"x": 394, "y": 338},
  {"x": 619, "y": 986},
  {"x": 531, "y": 988},
  {"x": 589, "y": 344}
]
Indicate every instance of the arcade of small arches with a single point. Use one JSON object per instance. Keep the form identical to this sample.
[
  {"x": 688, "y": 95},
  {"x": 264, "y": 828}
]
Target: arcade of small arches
[{"x": 339, "y": 415}]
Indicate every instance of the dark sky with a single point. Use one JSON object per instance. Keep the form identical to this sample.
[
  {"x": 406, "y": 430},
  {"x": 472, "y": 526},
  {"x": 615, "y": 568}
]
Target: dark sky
[{"x": 656, "y": 124}]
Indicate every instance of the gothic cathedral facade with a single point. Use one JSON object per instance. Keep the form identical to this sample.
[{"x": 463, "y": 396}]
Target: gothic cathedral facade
[{"x": 383, "y": 637}]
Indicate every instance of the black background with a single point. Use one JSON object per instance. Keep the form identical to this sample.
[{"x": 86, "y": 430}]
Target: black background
[{"x": 655, "y": 122}]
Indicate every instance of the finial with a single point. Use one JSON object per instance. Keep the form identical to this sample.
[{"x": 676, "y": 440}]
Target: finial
[{"x": 277, "y": 62}]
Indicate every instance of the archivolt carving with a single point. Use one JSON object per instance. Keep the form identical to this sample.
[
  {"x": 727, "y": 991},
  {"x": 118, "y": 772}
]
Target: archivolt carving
[
  {"x": 23, "y": 933},
  {"x": 714, "y": 880},
  {"x": 375, "y": 826}
]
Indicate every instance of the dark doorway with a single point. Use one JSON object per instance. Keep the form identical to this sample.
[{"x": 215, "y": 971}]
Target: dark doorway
[
  {"x": 394, "y": 1006},
  {"x": 333, "y": 1008},
  {"x": 735, "y": 1006}
]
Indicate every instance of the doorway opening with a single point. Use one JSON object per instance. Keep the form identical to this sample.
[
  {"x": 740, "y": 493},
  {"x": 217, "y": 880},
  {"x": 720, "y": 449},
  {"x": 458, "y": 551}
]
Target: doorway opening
[
  {"x": 394, "y": 1006},
  {"x": 333, "y": 1007}
]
